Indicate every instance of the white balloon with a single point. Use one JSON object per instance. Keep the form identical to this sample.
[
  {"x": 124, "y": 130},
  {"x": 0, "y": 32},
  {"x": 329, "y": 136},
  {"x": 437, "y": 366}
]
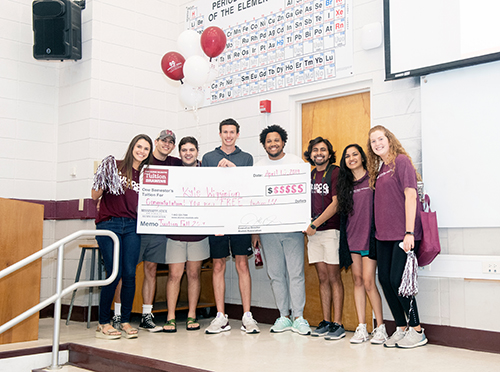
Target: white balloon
[
  {"x": 191, "y": 96},
  {"x": 189, "y": 44},
  {"x": 196, "y": 70},
  {"x": 213, "y": 72}
]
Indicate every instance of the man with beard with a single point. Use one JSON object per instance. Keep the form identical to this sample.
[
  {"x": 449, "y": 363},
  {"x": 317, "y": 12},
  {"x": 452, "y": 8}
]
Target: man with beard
[
  {"x": 284, "y": 252},
  {"x": 323, "y": 235}
]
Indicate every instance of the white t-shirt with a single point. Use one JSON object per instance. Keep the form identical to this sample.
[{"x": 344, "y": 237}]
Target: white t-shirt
[{"x": 287, "y": 159}]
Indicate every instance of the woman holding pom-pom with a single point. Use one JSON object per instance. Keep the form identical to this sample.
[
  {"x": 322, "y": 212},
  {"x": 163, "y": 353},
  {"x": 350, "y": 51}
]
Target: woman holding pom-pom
[
  {"x": 117, "y": 184},
  {"x": 398, "y": 229}
]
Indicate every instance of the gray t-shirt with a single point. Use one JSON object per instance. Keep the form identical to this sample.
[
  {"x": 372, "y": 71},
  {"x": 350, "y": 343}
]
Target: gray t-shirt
[{"x": 238, "y": 157}]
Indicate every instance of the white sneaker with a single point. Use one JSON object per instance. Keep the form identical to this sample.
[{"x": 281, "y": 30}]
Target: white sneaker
[
  {"x": 379, "y": 335},
  {"x": 249, "y": 324},
  {"x": 218, "y": 325},
  {"x": 361, "y": 334},
  {"x": 398, "y": 335},
  {"x": 412, "y": 339}
]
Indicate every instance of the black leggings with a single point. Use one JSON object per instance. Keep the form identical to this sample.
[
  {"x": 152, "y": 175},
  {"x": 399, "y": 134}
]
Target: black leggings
[{"x": 391, "y": 260}]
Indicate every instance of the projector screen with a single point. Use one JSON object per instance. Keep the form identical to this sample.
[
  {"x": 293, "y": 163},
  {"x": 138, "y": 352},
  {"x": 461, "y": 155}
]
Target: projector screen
[{"x": 427, "y": 36}]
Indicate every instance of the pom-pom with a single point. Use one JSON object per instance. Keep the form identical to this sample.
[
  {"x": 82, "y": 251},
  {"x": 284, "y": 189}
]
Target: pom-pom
[
  {"x": 409, "y": 284},
  {"x": 106, "y": 177}
]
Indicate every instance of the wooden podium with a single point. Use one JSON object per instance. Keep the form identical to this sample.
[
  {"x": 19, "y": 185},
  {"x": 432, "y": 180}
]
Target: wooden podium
[{"x": 21, "y": 234}]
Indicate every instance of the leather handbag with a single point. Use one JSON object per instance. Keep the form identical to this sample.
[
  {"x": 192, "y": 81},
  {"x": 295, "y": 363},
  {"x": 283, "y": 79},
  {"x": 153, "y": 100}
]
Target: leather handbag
[{"x": 429, "y": 246}]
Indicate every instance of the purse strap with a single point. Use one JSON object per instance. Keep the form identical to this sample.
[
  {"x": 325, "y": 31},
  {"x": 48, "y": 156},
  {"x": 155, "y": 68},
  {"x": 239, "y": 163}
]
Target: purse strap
[{"x": 426, "y": 204}]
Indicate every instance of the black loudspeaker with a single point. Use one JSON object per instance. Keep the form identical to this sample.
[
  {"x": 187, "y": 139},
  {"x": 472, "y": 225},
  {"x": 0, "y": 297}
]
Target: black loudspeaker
[{"x": 57, "y": 28}]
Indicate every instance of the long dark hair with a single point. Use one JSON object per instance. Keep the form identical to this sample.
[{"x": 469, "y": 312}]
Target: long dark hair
[
  {"x": 125, "y": 166},
  {"x": 345, "y": 182}
]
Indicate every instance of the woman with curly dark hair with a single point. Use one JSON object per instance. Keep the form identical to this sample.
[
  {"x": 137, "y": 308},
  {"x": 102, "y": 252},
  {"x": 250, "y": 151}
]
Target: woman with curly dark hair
[
  {"x": 355, "y": 204},
  {"x": 398, "y": 228}
]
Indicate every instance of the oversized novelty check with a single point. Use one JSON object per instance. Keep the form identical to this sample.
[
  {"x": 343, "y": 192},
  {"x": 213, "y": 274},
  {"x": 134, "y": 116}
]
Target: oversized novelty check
[{"x": 237, "y": 200}]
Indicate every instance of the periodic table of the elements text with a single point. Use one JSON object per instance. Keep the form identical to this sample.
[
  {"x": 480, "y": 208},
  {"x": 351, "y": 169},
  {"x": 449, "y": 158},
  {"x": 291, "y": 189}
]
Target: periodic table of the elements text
[{"x": 275, "y": 44}]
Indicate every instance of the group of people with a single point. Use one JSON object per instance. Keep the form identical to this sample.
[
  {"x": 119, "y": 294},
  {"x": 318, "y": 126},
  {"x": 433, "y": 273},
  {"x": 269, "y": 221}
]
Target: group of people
[{"x": 364, "y": 214}]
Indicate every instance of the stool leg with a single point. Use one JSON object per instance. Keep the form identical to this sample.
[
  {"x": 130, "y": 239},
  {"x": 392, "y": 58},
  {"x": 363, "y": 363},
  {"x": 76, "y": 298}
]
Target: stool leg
[
  {"x": 91, "y": 289},
  {"x": 77, "y": 279}
]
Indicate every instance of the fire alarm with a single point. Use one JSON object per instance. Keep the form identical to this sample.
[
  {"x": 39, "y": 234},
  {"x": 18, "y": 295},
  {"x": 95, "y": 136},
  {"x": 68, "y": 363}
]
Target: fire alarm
[{"x": 265, "y": 107}]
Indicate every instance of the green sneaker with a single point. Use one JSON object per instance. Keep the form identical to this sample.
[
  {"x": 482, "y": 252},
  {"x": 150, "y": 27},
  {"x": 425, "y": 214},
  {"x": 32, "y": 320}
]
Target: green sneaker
[
  {"x": 301, "y": 326},
  {"x": 281, "y": 324}
]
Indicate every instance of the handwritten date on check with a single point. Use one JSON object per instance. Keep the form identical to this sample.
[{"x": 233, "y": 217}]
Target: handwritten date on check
[{"x": 238, "y": 200}]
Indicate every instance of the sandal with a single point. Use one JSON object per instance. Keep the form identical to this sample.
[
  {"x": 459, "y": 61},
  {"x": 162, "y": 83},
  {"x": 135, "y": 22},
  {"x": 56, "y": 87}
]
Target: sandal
[
  {"x": 107, "y": 332},
  {"x": 192, "y": 324},
  {"x": 172, "y": 326},
  {"x": 129, "y": 331}
]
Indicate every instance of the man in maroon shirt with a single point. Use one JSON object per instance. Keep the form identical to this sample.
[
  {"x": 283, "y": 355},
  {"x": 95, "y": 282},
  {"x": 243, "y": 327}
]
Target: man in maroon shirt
[{"x": 323, "y": 236}]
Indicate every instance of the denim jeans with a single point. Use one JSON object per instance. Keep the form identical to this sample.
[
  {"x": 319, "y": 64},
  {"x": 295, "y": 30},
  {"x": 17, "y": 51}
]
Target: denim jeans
[{"x": 130, "y": 244}]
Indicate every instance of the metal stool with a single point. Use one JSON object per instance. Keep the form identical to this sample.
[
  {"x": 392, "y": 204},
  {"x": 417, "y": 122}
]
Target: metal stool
[{"x": 93, "y": 248}]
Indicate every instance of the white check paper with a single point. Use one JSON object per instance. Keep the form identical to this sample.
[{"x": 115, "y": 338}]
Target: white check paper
[{"x": 237, "y": 200}]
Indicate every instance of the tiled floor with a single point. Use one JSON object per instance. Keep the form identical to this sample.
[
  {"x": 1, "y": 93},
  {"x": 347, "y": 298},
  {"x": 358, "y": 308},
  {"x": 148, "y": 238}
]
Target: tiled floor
[{"x": 237, "y": 351}]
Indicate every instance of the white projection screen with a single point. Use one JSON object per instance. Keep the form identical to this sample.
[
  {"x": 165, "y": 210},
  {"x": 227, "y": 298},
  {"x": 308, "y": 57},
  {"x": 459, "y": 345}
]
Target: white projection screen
[
  {"x": 460, "y": 144},
  {"x": 426, "y": 36}
]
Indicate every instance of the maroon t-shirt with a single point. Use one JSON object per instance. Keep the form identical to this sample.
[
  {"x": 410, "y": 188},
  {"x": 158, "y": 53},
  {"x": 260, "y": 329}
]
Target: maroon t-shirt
[
  {"x": 170, "y": 160},
  {"x": 322, "y": 193},
  {"x": 359, "y": 222},
  {"x": 391, "y": 183},
  {"x": 124, "y": 205}
]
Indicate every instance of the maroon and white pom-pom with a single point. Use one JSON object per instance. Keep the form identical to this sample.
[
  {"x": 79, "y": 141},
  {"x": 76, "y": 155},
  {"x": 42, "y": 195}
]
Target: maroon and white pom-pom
[
  {"x": 106, "y": 177},
  {"x": 409, "y": 283}
]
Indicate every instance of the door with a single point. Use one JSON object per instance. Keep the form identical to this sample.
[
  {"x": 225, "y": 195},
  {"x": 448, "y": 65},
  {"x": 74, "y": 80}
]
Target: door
[{"x": 343, "y": 121}]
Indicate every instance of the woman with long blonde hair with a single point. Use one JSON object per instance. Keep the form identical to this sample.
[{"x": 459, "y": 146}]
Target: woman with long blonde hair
[{"x": 398, "y": 228}]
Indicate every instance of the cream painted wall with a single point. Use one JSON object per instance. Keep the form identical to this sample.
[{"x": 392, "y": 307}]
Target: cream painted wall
[{"x": 59, "y": 116}]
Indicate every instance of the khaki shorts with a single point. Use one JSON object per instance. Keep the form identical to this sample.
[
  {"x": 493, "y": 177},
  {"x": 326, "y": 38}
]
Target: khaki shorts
[
  {"x": 324, "y": 247},
  {"x": 180, "y": 252}
]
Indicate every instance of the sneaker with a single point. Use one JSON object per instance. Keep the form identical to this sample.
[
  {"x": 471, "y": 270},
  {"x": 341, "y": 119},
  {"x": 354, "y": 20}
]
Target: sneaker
[
  {"x": 322, "y": 329},
  {"x": 148, "y": 324},
  {"x": 218, "y": 325},
  {"x": 117, "y": 322},
  {"x": 281, "y": 324},
  {"x": 361, "y": 335},
  {"x": 336, "y": 332},
  {"x": 412, "y": 339},
  {"x": 379, "y": 335},
  {"x": 301, "y": 326},
  {"x": 398, "y": 335},
  {"x": 249, "y": 324}
]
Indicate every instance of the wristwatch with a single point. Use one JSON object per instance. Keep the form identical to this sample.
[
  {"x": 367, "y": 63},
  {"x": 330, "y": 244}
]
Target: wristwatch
[
  {"x": 313, "y": 226},
  {"x": 409, "y": 233}
]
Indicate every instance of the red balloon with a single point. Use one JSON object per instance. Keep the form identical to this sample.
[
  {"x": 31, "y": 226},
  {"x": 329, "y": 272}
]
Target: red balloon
[
  {"x": 172, "y": 64},
  {"x": 213, "y": 41}
]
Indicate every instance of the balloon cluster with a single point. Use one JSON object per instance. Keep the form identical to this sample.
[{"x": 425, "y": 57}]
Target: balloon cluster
[{"x": 191, "y": 64}]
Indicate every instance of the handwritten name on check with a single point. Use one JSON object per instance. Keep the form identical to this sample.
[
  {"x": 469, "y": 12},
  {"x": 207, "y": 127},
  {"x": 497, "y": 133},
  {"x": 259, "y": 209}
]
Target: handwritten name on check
[{"x": 238, "y": 200}]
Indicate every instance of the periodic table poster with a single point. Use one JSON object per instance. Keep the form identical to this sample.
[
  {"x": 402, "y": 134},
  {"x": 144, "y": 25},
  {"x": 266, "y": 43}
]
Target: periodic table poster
[{"x": 275, "y": 44}]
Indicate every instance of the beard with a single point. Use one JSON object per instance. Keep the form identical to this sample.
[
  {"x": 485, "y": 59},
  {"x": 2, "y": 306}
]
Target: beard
[{"x": 275, "y": 155}]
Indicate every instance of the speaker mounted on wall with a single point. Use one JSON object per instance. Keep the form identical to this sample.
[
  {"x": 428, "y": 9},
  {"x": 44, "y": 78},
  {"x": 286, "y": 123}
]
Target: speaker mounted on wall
[{"x": 57, "y": 28}]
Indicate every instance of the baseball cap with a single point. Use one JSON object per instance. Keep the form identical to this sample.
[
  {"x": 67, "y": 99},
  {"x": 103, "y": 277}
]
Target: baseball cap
[{"x": 166, "y": 133}]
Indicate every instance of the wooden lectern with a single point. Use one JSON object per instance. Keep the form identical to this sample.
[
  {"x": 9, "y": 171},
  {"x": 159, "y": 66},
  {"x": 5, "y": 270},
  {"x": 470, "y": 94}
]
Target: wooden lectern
[{"x": 21, "y": 234}]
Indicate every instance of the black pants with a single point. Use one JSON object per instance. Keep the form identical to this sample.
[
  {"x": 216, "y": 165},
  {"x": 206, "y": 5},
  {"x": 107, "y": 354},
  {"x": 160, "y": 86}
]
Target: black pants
[{"x": 391, "y": 260}]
